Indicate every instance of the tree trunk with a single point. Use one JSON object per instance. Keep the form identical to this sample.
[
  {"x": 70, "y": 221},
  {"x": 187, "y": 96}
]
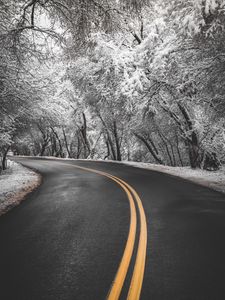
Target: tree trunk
[
  {"x": 164, "y": 140},
  {"x": 43, "y": 146},
  {"x": 111, "y": 146},
  {"x": 149, "y": 147},
  {"x": 46, "y": 139},
  {"x": 60, "y": 151},
  {"x": 108, "y": 150},
  {"x": 178, "y": 151},
  {"x": 173, "y": 155},
  {"x": 78, "y": 147},
  {"x": 118, "y": 153},
  {"x": 191, "y": 140},
  {"x": 53, "y": 145},
  {"x": 83, "y": 131},
  {"x": 66, "y": 143},
  {"x": 4, "y": 158}
]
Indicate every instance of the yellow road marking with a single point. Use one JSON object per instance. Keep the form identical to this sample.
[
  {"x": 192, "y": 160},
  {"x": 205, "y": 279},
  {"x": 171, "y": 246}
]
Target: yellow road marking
[
  {"x": 138, "y": 273},
  {"x": 125, "y": 261},
  {"x": 139, "y": 268}
]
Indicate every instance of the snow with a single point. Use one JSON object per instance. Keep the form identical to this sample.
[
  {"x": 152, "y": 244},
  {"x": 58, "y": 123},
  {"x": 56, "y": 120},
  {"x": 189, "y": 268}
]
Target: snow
[{"x": 15, "y": 183}]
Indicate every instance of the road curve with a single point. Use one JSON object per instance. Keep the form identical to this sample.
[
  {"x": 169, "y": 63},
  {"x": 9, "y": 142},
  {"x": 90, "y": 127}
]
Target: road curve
[{"x": 96, "y": 230}]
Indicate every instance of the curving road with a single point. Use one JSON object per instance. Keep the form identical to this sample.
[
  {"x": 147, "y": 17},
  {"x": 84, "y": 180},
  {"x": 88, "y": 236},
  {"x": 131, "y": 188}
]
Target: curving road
[{"x": 96, "y": 230}]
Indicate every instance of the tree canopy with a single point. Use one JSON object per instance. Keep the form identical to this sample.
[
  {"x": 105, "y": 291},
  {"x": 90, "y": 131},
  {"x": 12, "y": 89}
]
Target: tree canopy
[{"x": 126, "y": 79}]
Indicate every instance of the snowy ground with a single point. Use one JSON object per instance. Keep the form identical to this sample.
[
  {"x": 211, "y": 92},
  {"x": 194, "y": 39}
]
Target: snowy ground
[{"x": 15, "y": 183}]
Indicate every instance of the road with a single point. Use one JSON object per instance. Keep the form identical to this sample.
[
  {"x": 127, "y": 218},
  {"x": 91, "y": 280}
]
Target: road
[{"x": 86, "y": 235}]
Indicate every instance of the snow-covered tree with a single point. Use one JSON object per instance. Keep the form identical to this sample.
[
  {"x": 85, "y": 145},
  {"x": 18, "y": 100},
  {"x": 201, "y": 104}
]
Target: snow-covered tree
[{"x": 137, "y": 80}]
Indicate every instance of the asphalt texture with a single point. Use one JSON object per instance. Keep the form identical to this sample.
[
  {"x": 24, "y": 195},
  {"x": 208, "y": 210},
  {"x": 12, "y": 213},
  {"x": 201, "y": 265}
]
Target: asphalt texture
[{"x": 66, "y": 239}]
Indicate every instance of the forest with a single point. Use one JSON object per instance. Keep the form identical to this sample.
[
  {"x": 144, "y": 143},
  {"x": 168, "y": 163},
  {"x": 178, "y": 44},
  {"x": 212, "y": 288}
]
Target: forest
[{"x": 114, "y": 80}]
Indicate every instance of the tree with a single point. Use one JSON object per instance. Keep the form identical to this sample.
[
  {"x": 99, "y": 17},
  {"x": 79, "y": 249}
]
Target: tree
[{"x": 137, "y": 79}]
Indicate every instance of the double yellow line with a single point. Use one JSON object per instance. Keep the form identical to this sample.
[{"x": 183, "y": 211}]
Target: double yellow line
[
  {"x": 139, "y": 267},
  {"x": 138, "y": 273}
]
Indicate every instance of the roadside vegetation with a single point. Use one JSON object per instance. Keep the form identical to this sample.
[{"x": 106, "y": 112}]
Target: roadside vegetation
[{"x": 120, "y": 80}]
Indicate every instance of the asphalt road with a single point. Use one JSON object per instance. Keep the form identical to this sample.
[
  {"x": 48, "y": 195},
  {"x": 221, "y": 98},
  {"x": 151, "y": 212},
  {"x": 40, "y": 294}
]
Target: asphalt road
[{"x": 67, "y": 239}]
